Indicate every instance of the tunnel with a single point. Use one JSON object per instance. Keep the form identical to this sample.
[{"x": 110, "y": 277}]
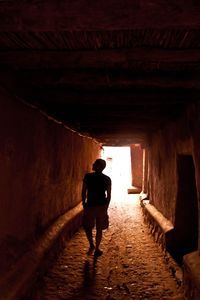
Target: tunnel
[{"x": 77, "y": 78}]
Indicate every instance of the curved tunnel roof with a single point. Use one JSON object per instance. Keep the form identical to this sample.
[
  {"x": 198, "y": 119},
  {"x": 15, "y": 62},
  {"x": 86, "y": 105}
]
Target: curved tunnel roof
[{"x": 114, "y": 70}]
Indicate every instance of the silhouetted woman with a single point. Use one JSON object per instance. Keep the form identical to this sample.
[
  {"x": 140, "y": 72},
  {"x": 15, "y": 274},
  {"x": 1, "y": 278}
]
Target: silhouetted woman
[{"x": 96, "y": 195}]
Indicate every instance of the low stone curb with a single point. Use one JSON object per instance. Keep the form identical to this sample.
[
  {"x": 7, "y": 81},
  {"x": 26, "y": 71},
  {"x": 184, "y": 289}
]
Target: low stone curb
[{"x": 160, "y": 228}]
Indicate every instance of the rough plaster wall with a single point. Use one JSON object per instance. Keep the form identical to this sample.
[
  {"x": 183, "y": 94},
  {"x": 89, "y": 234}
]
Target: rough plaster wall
[
  {"x": 42, "y": 164},
  {"x": 177, "y": 138},
  {"x": 194, "y": 123},
  {"x": 194, "y": 115},
  {"x": 163, "y": 174},
  {"x": 136, "y": 165}
]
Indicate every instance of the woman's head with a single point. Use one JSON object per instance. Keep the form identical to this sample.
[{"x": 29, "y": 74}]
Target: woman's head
[{"x": 99, "y": 165}]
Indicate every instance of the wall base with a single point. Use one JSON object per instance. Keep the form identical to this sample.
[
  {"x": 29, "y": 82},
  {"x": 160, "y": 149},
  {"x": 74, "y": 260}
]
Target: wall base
[
  {"x": 161, "y": 229},
  {"x": 18, "y": 281},
  {"x": 191, "y": 278}
]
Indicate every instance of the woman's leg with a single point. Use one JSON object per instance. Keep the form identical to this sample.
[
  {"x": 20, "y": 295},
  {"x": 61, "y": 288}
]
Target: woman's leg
[
  {"x": 88, "y": 232},
  {"x": 98, "y": 238}
]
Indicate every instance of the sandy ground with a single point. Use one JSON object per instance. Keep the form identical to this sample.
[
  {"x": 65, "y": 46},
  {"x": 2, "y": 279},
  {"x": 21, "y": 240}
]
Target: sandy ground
[{"x": 132, "y": 265}]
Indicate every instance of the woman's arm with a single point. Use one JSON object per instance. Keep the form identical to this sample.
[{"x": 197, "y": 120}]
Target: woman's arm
[
  {"x": 84, "y": 193},
  {"x": 108, "y": 193}
]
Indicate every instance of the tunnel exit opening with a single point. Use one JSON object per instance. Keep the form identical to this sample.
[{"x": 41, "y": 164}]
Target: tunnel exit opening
[
  {"x": 118, "y": 167},
  {"x": 186, "y": 215}
]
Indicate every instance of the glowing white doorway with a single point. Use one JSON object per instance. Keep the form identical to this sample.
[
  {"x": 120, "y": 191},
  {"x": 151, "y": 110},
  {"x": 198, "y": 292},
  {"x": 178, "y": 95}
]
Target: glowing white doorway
[{"x": 118, "y": 167}]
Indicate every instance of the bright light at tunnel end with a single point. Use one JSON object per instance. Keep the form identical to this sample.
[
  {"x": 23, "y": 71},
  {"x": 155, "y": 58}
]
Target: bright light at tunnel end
[{"x": 118, "y": 167}]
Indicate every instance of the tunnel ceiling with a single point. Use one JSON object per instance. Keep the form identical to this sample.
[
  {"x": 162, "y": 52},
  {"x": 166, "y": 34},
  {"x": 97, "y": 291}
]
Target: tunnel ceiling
[{"x": 114, "y": 70}]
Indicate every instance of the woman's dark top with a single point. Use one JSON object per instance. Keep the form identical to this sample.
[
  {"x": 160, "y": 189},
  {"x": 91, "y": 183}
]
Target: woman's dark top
[{"x": 97, "y": 185}]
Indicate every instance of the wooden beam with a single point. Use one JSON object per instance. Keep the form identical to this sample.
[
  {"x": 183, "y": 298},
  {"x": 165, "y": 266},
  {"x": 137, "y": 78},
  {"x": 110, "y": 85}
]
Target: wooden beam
[
  {"x": 64, "y": 99},
  {"x": 136, "y": 59},
  {"x": 51, "y": 15},
  {"x": 101, "y": 80}
]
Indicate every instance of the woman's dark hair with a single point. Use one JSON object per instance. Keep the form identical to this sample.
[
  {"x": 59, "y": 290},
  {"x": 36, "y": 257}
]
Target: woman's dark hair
[{"x": 100, "y": 164}]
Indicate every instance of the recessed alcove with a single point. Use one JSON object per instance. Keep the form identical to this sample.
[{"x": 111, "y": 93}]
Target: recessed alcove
[{"x": 185, "y": 234}]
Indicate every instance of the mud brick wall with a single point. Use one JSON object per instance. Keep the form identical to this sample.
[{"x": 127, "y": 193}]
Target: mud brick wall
[
  {"x": 42, "y": 164},
  {"x": 180, "y": 139},
  {"x": 136, "y": 165}
]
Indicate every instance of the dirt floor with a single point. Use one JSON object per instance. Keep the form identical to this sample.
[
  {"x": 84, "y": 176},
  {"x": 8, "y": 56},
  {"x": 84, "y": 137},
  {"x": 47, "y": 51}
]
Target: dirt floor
[{"x": 132, "y": 265}]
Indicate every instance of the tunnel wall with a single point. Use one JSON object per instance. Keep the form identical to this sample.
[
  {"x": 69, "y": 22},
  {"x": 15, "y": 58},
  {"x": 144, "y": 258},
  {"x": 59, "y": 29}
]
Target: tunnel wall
[
  {"x": 178, "y": 200},
  {"x": 178, "y": 138},
  {"x": 136, "y": 165},
  {"x": 42, "y": 164}
]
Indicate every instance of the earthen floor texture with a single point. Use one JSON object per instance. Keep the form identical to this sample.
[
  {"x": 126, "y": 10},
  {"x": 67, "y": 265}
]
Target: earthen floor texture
[{"x": 132, "y": 265}]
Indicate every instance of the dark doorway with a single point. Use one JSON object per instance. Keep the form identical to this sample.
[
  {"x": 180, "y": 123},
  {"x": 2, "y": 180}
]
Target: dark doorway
[{"x": 186, "y": 215}]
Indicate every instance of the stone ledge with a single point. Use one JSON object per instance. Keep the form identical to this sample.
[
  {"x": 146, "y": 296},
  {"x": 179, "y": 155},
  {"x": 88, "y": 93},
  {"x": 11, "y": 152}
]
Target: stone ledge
[
  {"x": 164, "y": 223},
  {"x": 134, "y": 190},
  {"x": 161, "y": 229},
  {"x": 17, "y": 281},
  {"x": 191, "y": 279}
]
